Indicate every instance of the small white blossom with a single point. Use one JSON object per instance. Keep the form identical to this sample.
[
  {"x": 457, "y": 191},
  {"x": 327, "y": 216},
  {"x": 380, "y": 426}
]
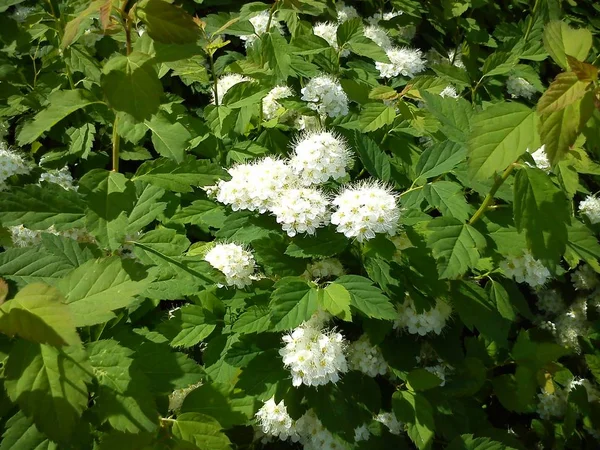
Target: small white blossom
[
  {"x": 320, "y": 156},
  {"x": 24, "y": 237},
  {"x": 345, "y": 12},
  {"x": 433, "y": 320},
  {"x": 379, "y": 36},
  {"x": 307, "y": 123},
  {"x": 456, "y": 59},
  {"x": 540, "y": 158},
  {"x": 519, "y": 87},
  {"x": 551, "y": 405},
  {"x": 325, "y": 268},
  {"x": 61, "y": 177},
  {"x": 572, "y": 324},
  {"x": 366, "y": 358},
  {"x": 260, "y": 22},
  {"x": 326, "y": 96},
  {"x": 314, "y": 356},
  {"x": 404, "y": 61},
  {"x": 270, "y": 105},
  {"x": 374, "y": 20},
  {"x": 301, "y": 210},
  {"x": 525, "y": 269},
  {"x": 275, "y": 421},
  {"x": 328, "y": 31},
  {"x": 584, "y": 278},
  {"x": 21, "y": 13},
  {"x": 11, "y": 163},
  {"x": 314, "y": 436},
  {"x": 389, "y": 420},
  {"x": 234, "y": 262},
  {"x": 449, "y": 91},
  {"x": 225, "y": 83},
  {"x": 591, "y": 208},
  {"x": 362, "y": 433},
  {"x": 365, "y": 209},
  {"x": 550, "y": 301}
]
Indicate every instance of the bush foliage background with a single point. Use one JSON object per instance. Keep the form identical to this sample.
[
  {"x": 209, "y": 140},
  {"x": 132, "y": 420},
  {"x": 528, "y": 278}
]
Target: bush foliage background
[{"x": 121, "y": 337}]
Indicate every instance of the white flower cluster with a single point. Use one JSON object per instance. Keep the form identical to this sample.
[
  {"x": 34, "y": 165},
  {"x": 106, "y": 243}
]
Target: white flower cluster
[
  {"x": 362, "y": 433},
  {"x": 24, "y": 237},
  {"x": 275, "y": 421},
  {"x": 225, "y": 83},
  {"x": 571, "y": 324},
  {"x": 366, "y": 357},
  {"x": 345, "y": 12},
  {"x": 255, "y": 186},
  {"x": 540, "y": 158},
  {"x": 328, "y": 31},
  {"x": 325, "y": 268},
  {"x": 551, "y": 405},
  {"x": 21, "y": 13},
  {"x": 584, "y": 278},
  {"x": 301, "y": 210},
  {"x": 591, "y": 208},
  {"x": 449, "y": 91},
  {"x": 519, "y": 87},
  {"x": 374, "y": 20},
  {"x": 236, "y": 263},
  {"x": 314, "y": 436},
  {"x": 433, "y": 320},
  {"x": 61, "y": 177},
  {"x": 390, "y": 421},
  {"x": 364, "y": 209},
  {"x": 403, "y": 61},
  {"x": 525, "y": 269},
  {"x": 260, "y": 23},
  {"x": 379, "y": 36},
  {"x": 270, "y": 105},
  {"x": 11, "y": 164},
  {"x": 455, "y": 58},
  {"x": 550, "y": 301},
  {"x": 314, "y": 355},
  {"x": 320, "y": 156},
  {"x": 326, "y": 96}
]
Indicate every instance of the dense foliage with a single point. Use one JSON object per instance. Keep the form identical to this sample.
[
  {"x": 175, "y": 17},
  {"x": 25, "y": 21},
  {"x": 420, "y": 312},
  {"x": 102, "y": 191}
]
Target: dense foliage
[{"x": 301, "y": 224}]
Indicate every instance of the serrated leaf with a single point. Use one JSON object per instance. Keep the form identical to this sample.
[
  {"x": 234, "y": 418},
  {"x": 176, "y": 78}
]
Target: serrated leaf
[
  {"x": 440, "y": 158},
  {"x": 81, "y": 140},
  {"x": 31, "y": 265},
  {"x": 49, "y": 384},
  {"x": 245, "y": 227},
  {"x": 469, "y": 442},
  {"x": 72, "y": 27},
  {"x": 582, "y": 244},
  {"x": 500, "y": 134},
  {"x": 100, "y": 286},
  {"x": 593, "y": 363},
  {"x": 147, "y": 206},
  {"x": 276, "y": 51},
  {"x": 542, "y": 210},
  {"x": 561, "y": 40},
  {"x": 167, "y": 23},
  {"x": 584, "y": 71},
  {"x": 416, "y": 411},
  {"x": 255, "y": 319},
  {"x": 374, "y": 159},
  {"x": 38, "y": 314},
  {"x": 246, "y": 93},
  {"x": 563, "y": 91},
  {"x": 188, "y": 326},
  {"x": 326, "y": 242},
  {"x": 348, "y": 31},
  {"x": 364, "y": 46},
  {"x": 455, "y": 245},
  {"x": 422, "y": 380},
  {"x": 201, "y": 213},
  {"x": 374, "y": 116},
  {"x": 293, "y": 301},
  {"x": 270, "y": 254},
  {"x": 367, "y": 298},
  {"x": 499, "y": 63},
  {"x": 454, "y": 114},
  {"x": 169, "y": 137},
  {"x": 201, "y": 430},
  {"x": 448, "y": 198},
  {"x": 21, "y": 433},
  {"x": 130, "y": 84},
  {"x": 336, "y": 300}
]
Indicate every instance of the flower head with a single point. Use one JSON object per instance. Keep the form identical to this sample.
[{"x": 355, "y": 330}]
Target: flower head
[
  {"x": 234, "y": 262},
  {"x": 328, "y": 31},
  {"x": 540, "y": 158},
  {"x": 61, "y": 177},
  {"x": 379, "y": 36},
  {"x": 584, "y": 278},
  {"x": 519, "y": 87},
  {"x": 525, "y": 269},
  {"x": 390, "y": 421},
  {"x": 260, "y": 23},
  {"x": 550, "y": 301},
  {"x": 11, "y": 163},
  {"x": 270, "y": 104},
  {"x": 366, "y": 358},
  {"x": 403, "y": 61},
  {"x": 433, "y": 320},
  {"x": 225, "y": 83},
  {"x": 345, "y": 12},
  {"x": 591, "y": 208},
  {"x": 325, "y": 268},
  {"x": 449, "y": 91},
  {"x": 301, "y": 210},
  {"x": 326, "y": 96},
  {"x": 275, "y": 421}
]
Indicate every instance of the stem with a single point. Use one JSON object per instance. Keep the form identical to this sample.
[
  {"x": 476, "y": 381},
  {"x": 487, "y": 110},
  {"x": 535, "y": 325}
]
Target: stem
[
  {"x": 490, "y": 196},
  {"x": 215, "y": 81},
  {"x": 473, "y": 90},
  {"x": 530, "y": 24},
  {"x": 271, "y": 12},
  {"x": 116, "y": 144}
]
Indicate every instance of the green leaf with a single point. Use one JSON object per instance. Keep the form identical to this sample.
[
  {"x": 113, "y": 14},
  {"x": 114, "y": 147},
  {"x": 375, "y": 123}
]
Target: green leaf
[
  {"x": 542, "y": 210},
  {"x": 440, "y": 158},
  {"x": 31, "y": 265},
  {"x": 169, "y": 175},
  {"x": 49, "y": 384},
  {"x": 188, "y": 326},
  {"x": 336, "y": 300},
  {"x": 422, "y": 380},
  {"x": 100, "y": 286},
  {"x": 326, "y": 242},
  {"x": 201, "y": 213},
  {"x": 256, "y": 319},
  {"x": 374, "y": 159},
  {"x": 21, "y": 433},
  {"x": 293, "y": 302},
  {"x": 448, "y": 198},
  {"x": 373, "y": 116},
  {"x": 416, "y": 411},
  {"x": 499, "y": 63},
  {"x": 349, "y": 31},
  {"x": 124, "y": 398},
  {"x": 39, "y": 208},
  {"x": 582, "y": 244},
  {"x": 38, "y": 314},
  {"x": 454, "y": 115},
  {"x": 276, "y": 51},
  {"x": 147, "y": 206},
  {"x": 81, "y": 140},
  {"x": 72, "y": 28},
  {"x": 593, "y": 363},
  {"x": 501, "y": 298},
  {"x": 130, "y": 84},
  {"x": 269, "y": 253},
  {"x": 167, "y": 23},
  {"x": 469, "y": 442},
  {"x": 246, "y": 227},
  {"x": 60, "y": 105},
  {"x": 561, "y": 40},
  {"x": 456, "y": 246},
  {"x": 246, "y": 93},
  {"x": 169, "y": 137},
  {"x": 565, "y": 90},
  {"x": 364, "y": 46},
  {"x": 500, "y": 134},
  {"x": 263, "y": 375},
  {"x": 367, "y": 298},
  {"x": 201, "y": 430}
]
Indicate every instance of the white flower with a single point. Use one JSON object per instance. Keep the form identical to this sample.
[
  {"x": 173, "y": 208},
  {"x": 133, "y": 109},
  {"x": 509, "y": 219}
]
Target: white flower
[
  {"x": 540, "y": 158},
  {"x": 551, "y": 405},
  {"x": 374, "y": 20},
  {"x": 260, "y": 22},
  {"x": 525, "y": 269},
  {"x": 325, "y": 268},
  {"x": 366, "y": 358},
  {"x": 256, "y": 186},
  {"x": 328, "y": 31},
  {"x": 320, "y": 156},
  {"x": 61, "y": 177},
  {"x": 301, "y": 210},
  {"x": 314, "y": 436},
  {"x": 344, "y": 12},
  {"x": 326, "y": 96},
  {"x": 313, "y": 355},
  {"x": 11, "y": 164},
  {"x": 379, "y": 36},
  {"x": 550, "y": 301},
  {"x": 364, "y": 210},
  {"x": 390, "y": 421},
  {"x": 361, "y": 433},
  {"x": 225, "y": 83},
  {"x": 456, "y": 59},
  {"x": 236, "y": 263},
  {"x": 433, "y": 320},
  {"x": 571, "y": 324},
  {"x": 24, "y": 237},
  {"x": 275, "y": 421},
  {"x": 439, "y": 371},
  {"x": 584, "y": 278},
  {"x": 591, "y": 208},
  {"x": 21, "y": 12},
  {"x": 307, "y": 123},
  {"x": 270, "y": 105},
  {"x": 449, "y": 91},
  {"x": 519, "y": 87},
  {"x": 405, "y": 61}
]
